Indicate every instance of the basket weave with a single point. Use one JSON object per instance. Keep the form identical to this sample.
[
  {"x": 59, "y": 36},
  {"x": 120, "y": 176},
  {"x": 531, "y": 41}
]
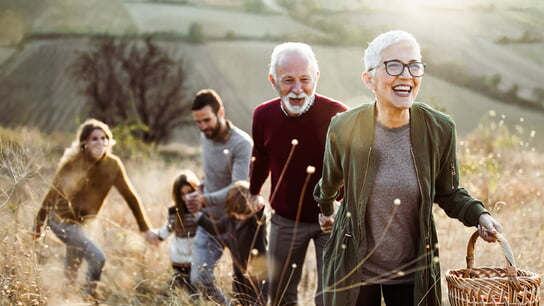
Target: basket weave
[{"x": 492, "y": 285}]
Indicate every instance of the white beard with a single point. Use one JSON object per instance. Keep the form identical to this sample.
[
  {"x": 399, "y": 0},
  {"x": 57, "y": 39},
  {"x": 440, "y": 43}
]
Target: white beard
[{"x": 297, "y": 109}]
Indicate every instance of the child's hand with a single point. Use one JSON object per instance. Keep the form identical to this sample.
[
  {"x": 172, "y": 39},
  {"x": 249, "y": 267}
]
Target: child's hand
[
  {"x": 36, "y": 232},
  {"x": 152, "y": 238},
  {"x": 255, "y": 202}
]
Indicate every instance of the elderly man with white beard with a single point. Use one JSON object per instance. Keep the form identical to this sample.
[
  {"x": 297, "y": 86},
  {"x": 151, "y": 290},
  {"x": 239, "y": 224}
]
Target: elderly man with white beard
[{"x": 289, "y": 140}]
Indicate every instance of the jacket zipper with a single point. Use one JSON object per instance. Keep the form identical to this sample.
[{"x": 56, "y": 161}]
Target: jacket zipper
[
  {"x": 364, "y": 184},
  {"x": 366, "y": 169},
  {"x": 427, "y": 239},
  {"x": 453, "y": 173}
]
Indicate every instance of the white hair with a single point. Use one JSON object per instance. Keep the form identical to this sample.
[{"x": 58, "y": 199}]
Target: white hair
[
  {"x": 291, "y": 47},
  {"x": 373, "y": 53}
]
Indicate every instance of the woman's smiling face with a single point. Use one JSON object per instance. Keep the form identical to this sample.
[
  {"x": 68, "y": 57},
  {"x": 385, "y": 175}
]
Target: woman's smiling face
[{"x": 397, "y": 92}]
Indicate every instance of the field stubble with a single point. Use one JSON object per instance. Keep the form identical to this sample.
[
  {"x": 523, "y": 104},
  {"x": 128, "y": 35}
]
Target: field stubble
[{"x": 507, "y": 176}]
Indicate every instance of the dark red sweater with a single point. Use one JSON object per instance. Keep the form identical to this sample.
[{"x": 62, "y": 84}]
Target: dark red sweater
[{"x": 273, "y": 133}]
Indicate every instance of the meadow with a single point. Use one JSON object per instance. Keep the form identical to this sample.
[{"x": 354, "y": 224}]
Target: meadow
[
  {"x": 38, "y": 90},
  {"x": 501, "y": 147},
  {"x": 497, "y": 165}
]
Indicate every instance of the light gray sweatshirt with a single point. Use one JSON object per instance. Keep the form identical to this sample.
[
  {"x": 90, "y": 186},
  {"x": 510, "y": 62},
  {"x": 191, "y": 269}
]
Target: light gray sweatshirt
[{"x": 225, "y": 162}]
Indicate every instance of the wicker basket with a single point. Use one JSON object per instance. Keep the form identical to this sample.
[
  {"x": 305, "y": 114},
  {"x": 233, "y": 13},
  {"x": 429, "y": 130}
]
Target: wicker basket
[{"x": 492, "y": 285}]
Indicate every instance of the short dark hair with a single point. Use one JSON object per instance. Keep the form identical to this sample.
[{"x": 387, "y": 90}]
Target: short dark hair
[
  {"x": 237, "y": 197},
  {"x": 207, "y": 97}
]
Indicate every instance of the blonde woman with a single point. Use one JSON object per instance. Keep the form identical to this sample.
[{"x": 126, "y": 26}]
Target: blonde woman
[{"x": 85, "y": 175}]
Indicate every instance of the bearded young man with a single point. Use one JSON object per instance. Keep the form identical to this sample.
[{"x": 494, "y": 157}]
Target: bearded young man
[
  {"x": 226, "y": 154},
  {"x": 296, "y": 122}
]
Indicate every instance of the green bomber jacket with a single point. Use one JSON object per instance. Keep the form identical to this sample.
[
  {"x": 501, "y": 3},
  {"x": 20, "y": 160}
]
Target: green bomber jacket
[{"x": 349, "y": 162}]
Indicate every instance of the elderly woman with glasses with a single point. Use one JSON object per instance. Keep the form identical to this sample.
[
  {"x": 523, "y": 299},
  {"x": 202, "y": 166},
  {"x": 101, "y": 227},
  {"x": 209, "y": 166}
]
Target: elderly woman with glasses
[{"x": 394, "y": 157}]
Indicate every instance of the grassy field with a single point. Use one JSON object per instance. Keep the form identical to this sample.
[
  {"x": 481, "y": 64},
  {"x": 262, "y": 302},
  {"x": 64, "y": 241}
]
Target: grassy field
[
  {"x": 216, "y": 22},
  {"x": 54, "y": 103},
  {"x": 495, "y": 168},
  {"x": 37, "y": 89},
  {"x": 76, "y": 16}
]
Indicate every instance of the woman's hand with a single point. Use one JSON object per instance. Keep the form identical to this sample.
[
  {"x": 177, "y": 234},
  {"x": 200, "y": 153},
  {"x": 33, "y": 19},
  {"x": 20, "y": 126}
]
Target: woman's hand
[
  {"x": 488, "y": 228},
  {"x": 326, "y": 223}
]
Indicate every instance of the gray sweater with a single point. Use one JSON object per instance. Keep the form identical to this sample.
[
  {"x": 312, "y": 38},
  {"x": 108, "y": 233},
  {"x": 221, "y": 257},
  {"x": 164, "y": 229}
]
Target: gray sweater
[
  {"x": 225, "y": 162},
  {"x": 392, "y": 229}
]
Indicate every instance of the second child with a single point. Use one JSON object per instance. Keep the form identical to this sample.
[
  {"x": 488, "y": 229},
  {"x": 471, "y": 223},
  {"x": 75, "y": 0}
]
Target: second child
[{"x": 244, "y": 233}]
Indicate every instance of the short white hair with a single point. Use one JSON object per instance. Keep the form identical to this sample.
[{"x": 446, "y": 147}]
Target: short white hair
[
  {"x": 373, "y": 53},
  {"x": 292, "y": 47}
]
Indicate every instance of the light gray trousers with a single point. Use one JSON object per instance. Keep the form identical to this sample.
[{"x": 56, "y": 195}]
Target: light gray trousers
[{"x": 78, "y": 247}]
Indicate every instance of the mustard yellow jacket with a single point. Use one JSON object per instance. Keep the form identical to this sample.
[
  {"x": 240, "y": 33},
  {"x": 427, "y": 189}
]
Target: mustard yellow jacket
[
  {"x": 349, "y": 162},
  {"x": 80, "y": 187}
]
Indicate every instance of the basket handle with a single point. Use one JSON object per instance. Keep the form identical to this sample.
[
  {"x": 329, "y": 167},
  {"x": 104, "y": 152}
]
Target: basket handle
[{"x": 511, "y": 271}]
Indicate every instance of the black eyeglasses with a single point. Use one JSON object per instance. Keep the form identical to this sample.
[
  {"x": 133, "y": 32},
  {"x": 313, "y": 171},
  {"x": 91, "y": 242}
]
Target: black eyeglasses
[{"x": 396, "y": 68}]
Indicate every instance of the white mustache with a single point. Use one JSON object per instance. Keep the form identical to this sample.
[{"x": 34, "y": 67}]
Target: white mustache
[{"x": 292, "y": 95}]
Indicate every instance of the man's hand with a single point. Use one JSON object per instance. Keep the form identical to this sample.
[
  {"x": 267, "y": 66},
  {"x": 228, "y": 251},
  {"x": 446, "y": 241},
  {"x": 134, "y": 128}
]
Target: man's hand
[
  {"x": 152, "y": 238},
  {"x": 255, "y": 202},
  {"x": 488, "y": 228},
  {"x": 194, "y": 201},
  {"x": 326, "y": 223}
]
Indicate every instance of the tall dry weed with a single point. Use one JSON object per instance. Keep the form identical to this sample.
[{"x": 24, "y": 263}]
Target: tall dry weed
[{"x": 497, "y": 164}]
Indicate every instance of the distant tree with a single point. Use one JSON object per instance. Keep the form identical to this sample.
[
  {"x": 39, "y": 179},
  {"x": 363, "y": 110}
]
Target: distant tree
[
  {"x": 538, "y": 93},
  {"x": 254, "y": 6},
  {"x": 494, "y": 81},
  {"x": 196, "y": 33},
  {"x": 512, "y": 92},
  {"x": 135, "y": 83}
]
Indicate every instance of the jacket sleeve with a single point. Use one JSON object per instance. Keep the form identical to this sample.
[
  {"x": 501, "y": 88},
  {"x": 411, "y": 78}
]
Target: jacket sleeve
[
  {"x": 125, "y": 188},
  {"x": 328, "y": 187},
  {"x": 456, "y": 201},
  {"x": 212, "y": 227}
]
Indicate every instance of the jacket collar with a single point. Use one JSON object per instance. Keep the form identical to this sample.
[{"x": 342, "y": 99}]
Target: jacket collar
[{"x": 417, "y": 124}]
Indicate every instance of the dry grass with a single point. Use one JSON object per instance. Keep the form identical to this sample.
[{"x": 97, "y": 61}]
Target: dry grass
[{"x": 497, "y": 166}]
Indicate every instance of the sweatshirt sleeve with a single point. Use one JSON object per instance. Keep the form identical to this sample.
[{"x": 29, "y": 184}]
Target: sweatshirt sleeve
[
  {"x": 212, "y": 227},
  {"x": 164, "y": 231},
  {"x": 241, "y": 156},
  {"x": 53, "y": 195},
  {"x": 124, "y": 187}
]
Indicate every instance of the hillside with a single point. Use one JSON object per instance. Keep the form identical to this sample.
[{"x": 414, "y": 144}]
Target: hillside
[{"x": 36, "y": 88}]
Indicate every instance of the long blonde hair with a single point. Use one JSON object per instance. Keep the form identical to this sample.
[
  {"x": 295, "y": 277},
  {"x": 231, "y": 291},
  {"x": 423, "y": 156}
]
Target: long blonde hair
[{"x": 83, "y": 132}]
